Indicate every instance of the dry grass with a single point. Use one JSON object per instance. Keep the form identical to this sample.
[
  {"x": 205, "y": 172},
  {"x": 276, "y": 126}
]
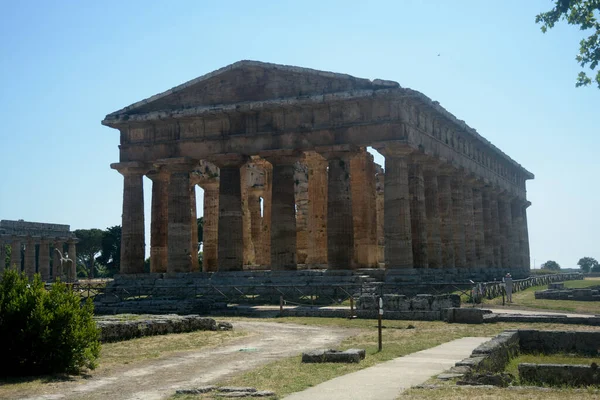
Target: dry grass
[
  {"x": 290, "y": 375},
  {"x": 526, "y": 299}
]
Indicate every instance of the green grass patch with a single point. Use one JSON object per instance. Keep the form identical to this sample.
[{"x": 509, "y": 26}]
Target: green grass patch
[
  {"x": 460, "y": 393},
  {"x": 526, "y": 299}
]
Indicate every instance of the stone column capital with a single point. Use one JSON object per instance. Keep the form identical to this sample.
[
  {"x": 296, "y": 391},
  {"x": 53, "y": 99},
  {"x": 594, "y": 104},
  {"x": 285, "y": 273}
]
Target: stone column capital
[
  {"x": 158, "y": 174},
  {"x": 282, "y": 157},
  {"x": 228, "y": 160},
  {"x": 131, "y": 168}
]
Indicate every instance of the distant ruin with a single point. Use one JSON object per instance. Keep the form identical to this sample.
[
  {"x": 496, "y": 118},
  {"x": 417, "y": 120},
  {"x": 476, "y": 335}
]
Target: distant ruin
[{"x": 36, "y": 239}]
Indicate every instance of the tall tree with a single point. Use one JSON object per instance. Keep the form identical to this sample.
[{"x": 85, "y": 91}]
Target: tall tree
[
  {"x": 584, "y": 14},
  {"x": 90, "y": 244},
  {"x": 110, "y": 254},
  {"x": 587, "y": 264},
  {"x": 551, "y": 265}
]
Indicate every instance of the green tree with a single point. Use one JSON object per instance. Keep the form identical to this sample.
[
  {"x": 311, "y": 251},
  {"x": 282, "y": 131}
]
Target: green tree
[
  {"x": 90, "y": 244},
  {"x": 7, "y": 250},
  {"x": 200, "y": 223},
  {"x": 110, "y": 253},
  {"x": 44, "y": 331},
  {"x": 584, "y": 14},
  {"x": 587, "y": 264},
  {"x": 551, "y": 265}
]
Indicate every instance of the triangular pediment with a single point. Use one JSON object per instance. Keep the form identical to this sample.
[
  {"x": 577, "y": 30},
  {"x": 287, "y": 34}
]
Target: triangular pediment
[{"x": 248, "y": 81}]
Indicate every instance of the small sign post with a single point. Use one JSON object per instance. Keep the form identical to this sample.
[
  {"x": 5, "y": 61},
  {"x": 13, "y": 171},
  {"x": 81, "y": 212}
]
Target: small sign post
[{"x": 379, "y": 321}]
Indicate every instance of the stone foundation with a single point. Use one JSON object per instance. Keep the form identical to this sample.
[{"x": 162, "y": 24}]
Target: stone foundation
[{"x": 114, "y": 330}]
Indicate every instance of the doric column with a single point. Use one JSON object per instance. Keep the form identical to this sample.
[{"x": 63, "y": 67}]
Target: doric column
[
  {"x": 487, "y": 229},
  {"x": 362, "y": 185},
  {"x": 446, "y": 219},
  {"x": 505, "y": 219},
  {"x": 194, "y": 229},
  {"x": 132, "y": 226},
  {"x": 211, "y": 227},
  {"x": 301, "y": 196},
  {"x": 340, "y": 222},
  {"x": 30, "y": 257},
  {"x": 317, "y": 209},
  {"x": 458, "y": 213},
  {"x": 57, "y": 271},
  {"x": 283, "y": 210},
  {"x": 516, "y": 250},
  {"x": 15, "y": 254},
  {"x": 397, "y": 222},
  {"x": 495, "y": 229},
  {"x": 480, "y": 258},
  {"x": 525, "y": 237},
  {"x": 159, "y": 220},
  {"x": 44, "y": 260},
  {"x": 432, "y": 206},
  {"x": 255, "y": 221},
  {"x": 179, "y": 206},
  {"x": 230, "y": 230},
  {"x": 418, "y": 217},
  {"x": 379, "y": 205},
  {"x": 248, "y": 252},
  {"x": 469, "y": 223},
  {"x": 72, "y": 274},
  {"x": 267, "y": 195}
]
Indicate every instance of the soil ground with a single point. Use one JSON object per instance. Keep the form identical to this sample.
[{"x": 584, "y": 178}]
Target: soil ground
[{"x": 158, "y": 379}]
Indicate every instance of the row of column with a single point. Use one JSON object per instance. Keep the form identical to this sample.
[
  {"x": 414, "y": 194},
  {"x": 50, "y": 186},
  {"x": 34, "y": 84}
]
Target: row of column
[
  {"x": 45, "y": 247},
  {"x": 432, "y": 216},
  {"x": 438, "y": 217}
]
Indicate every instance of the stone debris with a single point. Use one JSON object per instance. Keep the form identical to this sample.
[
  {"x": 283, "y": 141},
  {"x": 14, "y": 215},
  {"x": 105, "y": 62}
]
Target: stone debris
[
  {"x": 448, "y": 376},
  {"x": 224, "y": 326},
  {"x": 199, "y": 390},
  {"x": 228, "y": 391},
  {"x": 334, "y": 356}
]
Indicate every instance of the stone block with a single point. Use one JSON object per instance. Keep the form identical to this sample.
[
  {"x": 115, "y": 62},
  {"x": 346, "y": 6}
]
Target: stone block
[
  {"x": 421, "y": 302},
  {"x": 466, "y": 315},
  {"x": 333, "y": 356},
  {"x": 559, "y": 374}
]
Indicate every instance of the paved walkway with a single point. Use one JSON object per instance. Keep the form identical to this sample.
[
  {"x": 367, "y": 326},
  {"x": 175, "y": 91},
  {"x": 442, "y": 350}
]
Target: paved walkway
[{"x": 387, "y": 380}]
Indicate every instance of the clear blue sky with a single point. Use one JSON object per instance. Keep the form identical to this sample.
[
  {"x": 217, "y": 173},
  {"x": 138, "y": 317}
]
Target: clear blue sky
[{"x": 66, "y": 64}]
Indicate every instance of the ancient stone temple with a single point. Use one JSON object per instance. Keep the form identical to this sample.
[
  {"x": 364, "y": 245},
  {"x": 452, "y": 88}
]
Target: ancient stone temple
[
  {"x": 280, "y": 152},
  {"x": 32, "y": 247}
]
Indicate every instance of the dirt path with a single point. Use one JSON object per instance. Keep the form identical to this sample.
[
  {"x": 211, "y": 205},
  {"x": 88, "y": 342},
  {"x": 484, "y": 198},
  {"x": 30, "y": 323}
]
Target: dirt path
[{"x": 158, "y": 379}]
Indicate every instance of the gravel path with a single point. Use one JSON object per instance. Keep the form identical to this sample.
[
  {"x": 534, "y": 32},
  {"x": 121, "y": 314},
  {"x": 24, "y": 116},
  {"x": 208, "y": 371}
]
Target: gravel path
[{"x": 158, "y": 379}]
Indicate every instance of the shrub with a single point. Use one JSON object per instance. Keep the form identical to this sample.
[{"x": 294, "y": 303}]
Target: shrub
[{"x": 44, "y": 331}]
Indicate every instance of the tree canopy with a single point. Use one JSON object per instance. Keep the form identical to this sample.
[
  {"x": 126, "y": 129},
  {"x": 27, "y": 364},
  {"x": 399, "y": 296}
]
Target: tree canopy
[
  {"x": 588, "y": 264},
  {"x": 551, "y": 265},
  {"x": 90, "y": 244},
  {"x": 585, "y": 14},
  {"x": 110, "y": 253}
]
